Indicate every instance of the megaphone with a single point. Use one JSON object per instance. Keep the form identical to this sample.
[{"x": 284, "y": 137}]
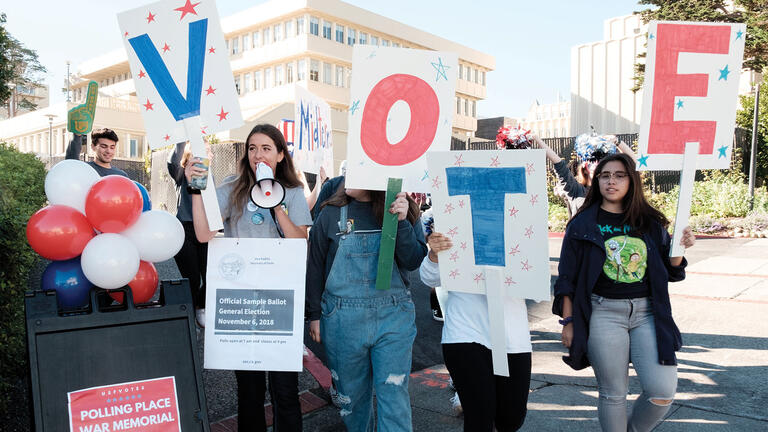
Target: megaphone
[{"x": 267, "y": 193}]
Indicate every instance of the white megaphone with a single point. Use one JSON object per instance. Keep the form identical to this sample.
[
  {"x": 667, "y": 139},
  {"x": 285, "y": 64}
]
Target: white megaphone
[{"x": 267, "y": 193}]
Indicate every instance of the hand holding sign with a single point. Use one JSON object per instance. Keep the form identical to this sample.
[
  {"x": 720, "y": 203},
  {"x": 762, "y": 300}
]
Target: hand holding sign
[{"x": 80, "y": 118}]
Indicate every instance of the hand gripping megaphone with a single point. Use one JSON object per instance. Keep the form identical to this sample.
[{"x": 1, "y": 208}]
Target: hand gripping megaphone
[{"x": 267, "y": 193}]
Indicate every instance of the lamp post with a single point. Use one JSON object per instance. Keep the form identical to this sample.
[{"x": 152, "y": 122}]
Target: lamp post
[{"x": 50, "y": 137}]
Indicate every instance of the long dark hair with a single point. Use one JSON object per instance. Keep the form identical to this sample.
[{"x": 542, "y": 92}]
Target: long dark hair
[
  {"x": 340, "y": 199},
  {"x": 638, "y": 212},
  {"x": 284, "y": 172}
]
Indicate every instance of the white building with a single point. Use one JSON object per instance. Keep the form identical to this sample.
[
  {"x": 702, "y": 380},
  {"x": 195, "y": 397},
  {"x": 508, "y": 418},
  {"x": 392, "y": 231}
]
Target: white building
[
  {"x": 548, "y": 120},
  {"x": 272, "y": 47}
]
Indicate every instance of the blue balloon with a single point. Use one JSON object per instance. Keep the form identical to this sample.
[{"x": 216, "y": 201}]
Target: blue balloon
[
  {"x": 67, "y": 279},
  {"x": 144, "y": 197}
]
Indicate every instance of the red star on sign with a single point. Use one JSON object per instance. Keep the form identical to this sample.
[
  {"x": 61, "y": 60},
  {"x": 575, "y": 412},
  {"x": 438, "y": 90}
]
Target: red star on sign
[
  {"x": 187, "y": 8},
  {"x": 167, "y": 137},
  {"x": 459, "y": 161},
  {"x": 495, "y": 161},
  {"x": 529, "y": 168},
  {"x": 513, "y": 212},
  {"x": 448, "y": 208},
  {"x": 479, "y": 277},
  {"x": 529, "y": 231},
  {"x": 436, "y": 182},
  {"x": 461, "y": 203},
  {"x": 515, "y": 250},
  {"x": 149, "y": 106},
  {"x": 125, "y": 34},
  {"x": 166, "y": 48},
  {"x": 142, "y": 74},
  {"x": 463, "y": 246},
  {"x": 534, "y": 199},
  {"x": 150, "y": 18},
  {"x": 453, "y": 231},
  {"x": 508, "y": 281},
  {"x": 525, "y": 265},
  {"x": 211, "y": 50},
  {"x": 203, "y": 130},
  {"x": 454, "y": 273},
  {"x": 222, "y": 115},
  {"x": 210, "y": 90},
  {"x": 454, "y": 256}
]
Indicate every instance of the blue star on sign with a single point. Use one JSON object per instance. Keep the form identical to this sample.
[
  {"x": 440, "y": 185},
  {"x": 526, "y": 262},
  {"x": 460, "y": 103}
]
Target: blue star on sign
[
  {"x": 722, "y": 151},
  {"x": 643, "y": 161},
  {"x": 440, "y": 68},
  {"x": 651, "y": 36},
  {"x": 371, "y": 55},
  {"x": 724, "y": 73},
  {"x": 354, "y": 107},
  {"x": 739, "y": 34},
  {"x": 679, "y": 103}
]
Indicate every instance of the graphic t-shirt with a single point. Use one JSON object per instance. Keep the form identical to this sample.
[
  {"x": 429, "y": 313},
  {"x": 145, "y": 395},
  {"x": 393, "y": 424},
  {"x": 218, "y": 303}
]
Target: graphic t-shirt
[{"x": 626, "y": 259}]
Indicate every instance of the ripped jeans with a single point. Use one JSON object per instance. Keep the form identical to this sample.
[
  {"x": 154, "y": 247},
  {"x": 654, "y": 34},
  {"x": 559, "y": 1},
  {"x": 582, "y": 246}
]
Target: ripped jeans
[
  {"x": 369, "y": 342},
  {"x": 621, "y": 330}
]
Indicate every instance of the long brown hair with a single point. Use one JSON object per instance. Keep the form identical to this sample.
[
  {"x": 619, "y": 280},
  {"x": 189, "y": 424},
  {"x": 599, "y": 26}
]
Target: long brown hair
[
  {"x": 638, "y": 212},
  {"x": 284, "y": 172},
  {"x": 340, "y": 199}
]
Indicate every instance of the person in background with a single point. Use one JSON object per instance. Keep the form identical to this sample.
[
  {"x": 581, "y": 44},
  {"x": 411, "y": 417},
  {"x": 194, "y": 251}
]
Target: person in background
[
  {"x": 265, "y": 144},
  {"x": 104, "y": 145},
  {"x": 611, "y": 316},
  {"x": 329, "y": 188},
  {"x": 312, "y": 195}
]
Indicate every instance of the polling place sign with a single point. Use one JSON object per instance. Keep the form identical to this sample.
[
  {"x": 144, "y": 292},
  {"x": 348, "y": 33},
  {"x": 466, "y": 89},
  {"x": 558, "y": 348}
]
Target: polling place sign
[{"x": 147, "y": 406}]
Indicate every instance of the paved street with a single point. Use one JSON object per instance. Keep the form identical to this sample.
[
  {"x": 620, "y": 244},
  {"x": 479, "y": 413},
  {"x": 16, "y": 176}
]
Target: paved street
[{"x": 723, "y": 372}]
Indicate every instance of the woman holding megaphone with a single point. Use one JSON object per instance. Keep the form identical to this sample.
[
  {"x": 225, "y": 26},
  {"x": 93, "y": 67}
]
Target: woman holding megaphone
[
  {"x": 367, "y": 333},
  {"x": 243, "y": 218}
]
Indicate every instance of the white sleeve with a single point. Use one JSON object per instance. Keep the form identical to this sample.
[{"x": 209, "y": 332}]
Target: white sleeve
[{"x": 429, "y": 272}]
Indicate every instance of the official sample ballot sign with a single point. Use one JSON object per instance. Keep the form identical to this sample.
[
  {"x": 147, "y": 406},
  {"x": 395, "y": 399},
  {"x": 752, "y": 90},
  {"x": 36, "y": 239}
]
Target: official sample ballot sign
[
  {"x": 146, "y": 406},
  {"x": 255, "y": 304}
]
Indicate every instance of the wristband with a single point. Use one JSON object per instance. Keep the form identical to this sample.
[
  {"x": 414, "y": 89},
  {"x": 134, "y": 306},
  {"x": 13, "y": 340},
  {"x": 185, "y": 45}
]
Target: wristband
[
  {"x": 566, "y": 321},
  {"x": 193, "y": 191}
]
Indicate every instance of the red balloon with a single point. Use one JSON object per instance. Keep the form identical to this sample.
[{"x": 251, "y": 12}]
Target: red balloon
[
  {"x": 59, "y": 232},
  {"x": 143, "y": 285},
  {"x": 113, "y": 204}
]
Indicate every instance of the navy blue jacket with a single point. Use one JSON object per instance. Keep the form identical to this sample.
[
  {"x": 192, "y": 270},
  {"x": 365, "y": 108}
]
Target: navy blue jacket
[{"x": 581, "y": 261}]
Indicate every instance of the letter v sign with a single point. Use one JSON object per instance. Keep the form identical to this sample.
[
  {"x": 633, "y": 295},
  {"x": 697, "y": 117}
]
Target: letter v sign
[{"x": 179, "y": 106}]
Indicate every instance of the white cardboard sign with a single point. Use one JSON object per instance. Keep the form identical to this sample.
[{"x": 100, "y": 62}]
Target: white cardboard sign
[
  {"x": 401, "y": 106},
  {"x": 312, "y": 133},
  {"x": 493, "y": 206},
  {"x": 690, "y": 93},
  {"x": 254, "y": 304},
  {"x": 180, "y": 67}
]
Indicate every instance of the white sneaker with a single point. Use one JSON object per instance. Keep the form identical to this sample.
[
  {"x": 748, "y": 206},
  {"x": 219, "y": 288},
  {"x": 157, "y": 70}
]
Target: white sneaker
[
  {"x": 450, "y": 383},
  {"x": 200, "y": 317},
  {"x": 456, "y": 404}
]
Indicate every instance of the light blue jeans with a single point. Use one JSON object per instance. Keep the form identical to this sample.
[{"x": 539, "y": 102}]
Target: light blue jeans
[
  {"x": 368, "y": 336},
  {"x": 621, "y": 330}
]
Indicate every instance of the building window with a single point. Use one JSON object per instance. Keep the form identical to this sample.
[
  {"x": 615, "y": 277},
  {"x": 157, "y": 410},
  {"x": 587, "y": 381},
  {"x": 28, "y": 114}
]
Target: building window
[
  {"x": 288, "y": 29},
  {"x": 246, "y": 41},
  {"x": 300, "y": 30},
  {"x": 278, "y": 32},
  {"x": 134, "y": 147},
  {"x": 226, "y": 45},
  {"x": 314, "y": 70},
  {"x": 256, "y": 39},
  {"x": 237, "y": 84},
  {"x": 351, "y": 37},
  {"x": 268, "y": 78},
  {"x": 279, "y": 77},
  {"x": 301, "y": 70},
  {"x": 474, "y": 109},
  {"x": 327, "y": 29},
  {"x": 339, "y": 33},
  {"x": 339, "y": 76},
  {"x": 257, "y": 80},
  {"x": 314, "y": 26},
  {"x": 477, "y": 78},
  {"x": 461, "y": 71},
  {"x": 235, "y": 48},
  {"x": 384, "y": 42},
  {"x": 327, "y": 73},
  {"x": 363, "y": 39},
  {"x": 483, "y": 76},
  {"x": 289, "y": 73},
  {"x": 466, "y": 106},
  {"x": 374, "y": 40},
  {"x": 458, "y": 105},
  {"x": 267, "y": 36},
  {"x": 395, "y": 44},
  {"x": 247, "y": 83}
]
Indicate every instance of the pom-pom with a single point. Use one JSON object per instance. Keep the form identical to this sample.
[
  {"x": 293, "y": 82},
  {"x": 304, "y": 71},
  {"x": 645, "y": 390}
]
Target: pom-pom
[
  {"x": 513, "y": 138},
  {"x": 592, "y": 148}
]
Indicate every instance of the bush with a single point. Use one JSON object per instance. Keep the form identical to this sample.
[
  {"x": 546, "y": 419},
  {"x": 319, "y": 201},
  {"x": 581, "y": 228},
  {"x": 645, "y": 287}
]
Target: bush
[
  {"x": 22, "y": 193},
  {"x": 558, "y": 217}
]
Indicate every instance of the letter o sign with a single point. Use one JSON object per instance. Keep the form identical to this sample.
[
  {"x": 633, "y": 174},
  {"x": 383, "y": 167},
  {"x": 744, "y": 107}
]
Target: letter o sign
[{"x": 425, "y": 113}]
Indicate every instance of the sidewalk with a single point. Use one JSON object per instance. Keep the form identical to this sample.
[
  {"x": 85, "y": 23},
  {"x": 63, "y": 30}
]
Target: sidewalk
[{"x": 723, "y": 367}]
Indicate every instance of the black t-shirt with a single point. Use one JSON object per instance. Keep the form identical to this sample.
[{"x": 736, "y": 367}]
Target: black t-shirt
[{"x": 626, "y": 260}]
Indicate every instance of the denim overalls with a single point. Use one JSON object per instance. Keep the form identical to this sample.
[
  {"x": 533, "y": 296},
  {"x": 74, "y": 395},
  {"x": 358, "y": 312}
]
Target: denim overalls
[{"x": 368, "y": 334}]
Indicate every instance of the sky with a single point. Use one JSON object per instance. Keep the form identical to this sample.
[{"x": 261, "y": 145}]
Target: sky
[{"x": 530, "y": 40}]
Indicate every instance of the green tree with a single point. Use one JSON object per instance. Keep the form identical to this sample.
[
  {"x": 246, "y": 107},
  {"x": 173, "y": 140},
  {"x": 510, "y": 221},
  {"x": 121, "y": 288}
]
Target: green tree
[
  {"x": 754, "y": 13},
  {"x": 744, "y": 119},
  {"x": 20, "y": 70}
]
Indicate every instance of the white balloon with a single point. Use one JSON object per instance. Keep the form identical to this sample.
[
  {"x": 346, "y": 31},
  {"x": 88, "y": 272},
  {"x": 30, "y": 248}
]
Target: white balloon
[
  {"x": 110, "y": 261},
  {"x": 68, "y": 183},
  {"x": 157, "y": 235}
]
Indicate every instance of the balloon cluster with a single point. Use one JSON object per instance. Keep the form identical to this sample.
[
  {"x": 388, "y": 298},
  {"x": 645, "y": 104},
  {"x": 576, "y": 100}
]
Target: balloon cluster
[
  {"x": 100, "y": 231},
  {"x": 513, "y": 138},
  {"x": 592, "y": 147}
]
